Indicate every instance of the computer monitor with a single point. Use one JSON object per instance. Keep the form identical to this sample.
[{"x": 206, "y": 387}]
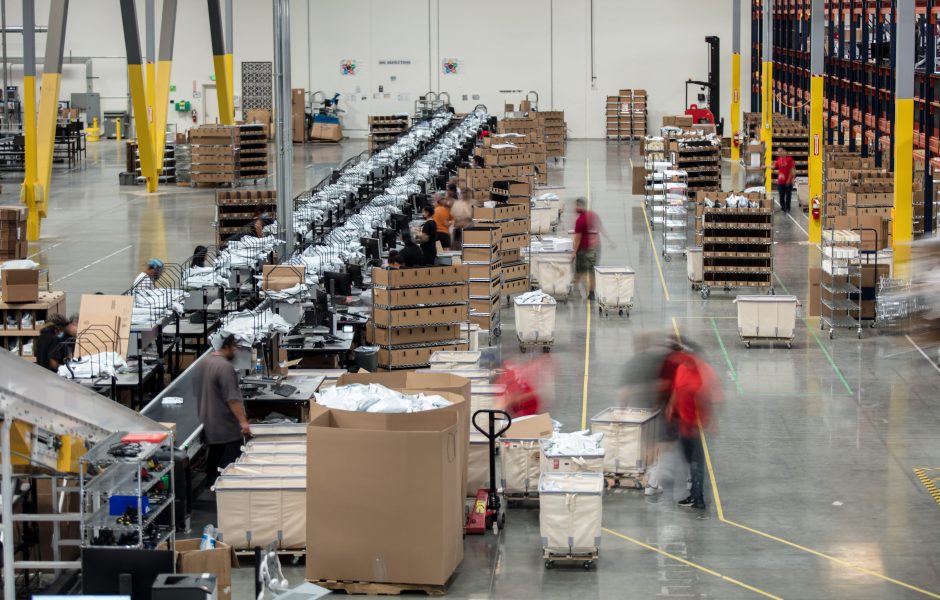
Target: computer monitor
[
  {"x": 337, "y": 284},
  {"x": 355, "y": 273},
  {"x": 371, "y": 247},
  {"x": 389, "y": 238},
  {"x": 400, "y": 222},
  {"x": 124, "y": 571}
]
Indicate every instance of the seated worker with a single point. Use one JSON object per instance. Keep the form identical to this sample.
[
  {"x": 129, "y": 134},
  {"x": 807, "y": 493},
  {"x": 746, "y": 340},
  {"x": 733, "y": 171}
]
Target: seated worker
[
  {"x": 428, "y": 236},
  {"x": 411, "y": 255},
  {"x": 55, "y": 342},
  {"x": 478, "y": 162},
  {"x": 443, "y": 220},
  {"x": 394, "y": 260},
  {"x": 147, "y": 279}
]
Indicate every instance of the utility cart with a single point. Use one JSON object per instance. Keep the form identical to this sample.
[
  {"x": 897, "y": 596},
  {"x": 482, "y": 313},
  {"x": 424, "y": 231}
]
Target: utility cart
[
  {"x": 554, "y": 272},
  {"x": 694, "y": 266},
  {"x": 535, "y": 321},
  {"x": 767, "y": 318},
  {"x": 629, "y": 443},
  {"x": 613, "y": 288},
  {"x": 570, "y": 512},
  {"x": 841, "y": 281}
]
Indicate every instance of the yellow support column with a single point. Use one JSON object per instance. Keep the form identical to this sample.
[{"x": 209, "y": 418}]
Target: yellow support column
[
  {"x": 736, "y": 81},
  {"x": 30, "y": 189},
  {"x": 902, "y": 226},
  {"x": 222, "y": 81},
  {"x": 229, "y": 61},
  {"x": 162, "y": 91},
  {"x": 767, "y": 124},
  {"x": 135, "y": 74},
  {"x": 816, "y": 145}
]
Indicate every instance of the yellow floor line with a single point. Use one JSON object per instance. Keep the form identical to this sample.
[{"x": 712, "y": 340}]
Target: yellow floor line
[
  {"x": 659, "y": 266},
  {"x": 675, "y": 328},
  {"x": 587, "y": 364},
  {"x": 690, "y": 563},
  {"x": 711, "y": 475}
]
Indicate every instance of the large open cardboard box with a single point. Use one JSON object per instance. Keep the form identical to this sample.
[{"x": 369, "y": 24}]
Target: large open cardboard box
[
  {"x": 19, "y": 285},
  {"x": 384, "y": 500}
]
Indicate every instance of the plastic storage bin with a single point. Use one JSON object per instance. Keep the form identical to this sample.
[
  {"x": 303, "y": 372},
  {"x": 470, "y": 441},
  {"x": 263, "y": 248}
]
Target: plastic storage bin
[
  {"x": 629, "y": 438},
  {"x": 570, "y": 513}
]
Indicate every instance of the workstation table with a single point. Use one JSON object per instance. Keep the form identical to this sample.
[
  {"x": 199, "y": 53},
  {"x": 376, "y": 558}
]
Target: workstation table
[{"x": 296, "y": 406}]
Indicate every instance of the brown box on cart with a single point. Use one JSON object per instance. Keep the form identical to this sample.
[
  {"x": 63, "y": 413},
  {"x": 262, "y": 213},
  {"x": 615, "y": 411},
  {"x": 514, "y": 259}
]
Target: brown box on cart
[
  {"x": 815, "y": 277},
  {"x": 639, "y": 180},
  {"x": 218, "y": 561},
  {"x": 19, "y": 285},
  {"x": 411, "y": 532}
]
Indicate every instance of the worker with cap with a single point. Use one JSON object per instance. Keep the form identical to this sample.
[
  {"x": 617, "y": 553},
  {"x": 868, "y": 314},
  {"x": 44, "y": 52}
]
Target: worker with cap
[
  {"x": 55, "y": 341},
  {"x": 147, "y": 279},
  {"x": 220, "y": 407}
]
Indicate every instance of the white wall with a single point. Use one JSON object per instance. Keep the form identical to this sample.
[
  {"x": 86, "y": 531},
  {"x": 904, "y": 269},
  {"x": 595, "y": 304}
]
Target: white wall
[{"x": 502, "y": 45}]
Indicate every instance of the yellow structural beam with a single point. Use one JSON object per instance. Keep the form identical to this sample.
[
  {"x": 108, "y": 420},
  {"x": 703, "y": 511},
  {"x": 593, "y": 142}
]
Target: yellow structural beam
[
  {"x": 229, "y": 77},
  {"x": 902, "y": 216},
  {"x": 144, "y": 136},
  {"x": 767, "y": 130},
  {"x": 30, "y": 193},
  {"x": 160, "y": 109},
  {"x": 736, "y": 106},
  {"x": 816, "y": 149},
  {"x": 48, "y": 118},
  {"x": 222, "y": 90}
]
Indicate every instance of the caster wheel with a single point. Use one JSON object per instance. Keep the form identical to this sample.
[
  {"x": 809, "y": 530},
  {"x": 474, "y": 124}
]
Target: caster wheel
[
  {"x": 522, "y": 349},
  {"x": 667, "y": 258},
  {"x": 747, "y": 344},
  {"x": 831, "y": 335},
  {"x": 727, "y": 289},
  {"x": 628, "y": 314},
  {"x": 501, "y": 521},
  {"x": 770, "y": 292},
  {"x": 789, "y": 345},
  {"x": 621, "y": 312},
  {"x": 606, "y": 314},
  {"x": 549, "y": 564},
  {"x": 705, "y": 293},
  {"x": 600, "y": 310},
  {"x": 587, "y": 565},
  {"x": 821, "y": 327},
  {"x": 546, "y": 349},
  {"x": 693, "y": 287}
]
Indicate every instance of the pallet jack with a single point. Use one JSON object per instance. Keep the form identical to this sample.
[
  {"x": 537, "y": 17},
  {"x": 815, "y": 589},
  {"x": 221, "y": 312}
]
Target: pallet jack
[
  {"x": 704, "y": 111},
  {"x": 486, "y": 509}
]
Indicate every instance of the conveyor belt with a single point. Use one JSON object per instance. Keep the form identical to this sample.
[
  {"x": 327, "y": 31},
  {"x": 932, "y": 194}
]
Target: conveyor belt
[{"x": 185, "y": 415}]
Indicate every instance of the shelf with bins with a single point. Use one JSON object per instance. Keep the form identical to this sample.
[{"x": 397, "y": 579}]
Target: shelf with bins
[
  {"x": 228, "y": 154},
  {"x": 700, "y": 158},
  {"x": 126, "y": 488},
  {"x": 234, "y": 210},
  {"x": 21, "y": 323},
  {"x": 385, "y": 130},
  {"x": 737, "y": 244},
  {"x": 840, "y": 281}
]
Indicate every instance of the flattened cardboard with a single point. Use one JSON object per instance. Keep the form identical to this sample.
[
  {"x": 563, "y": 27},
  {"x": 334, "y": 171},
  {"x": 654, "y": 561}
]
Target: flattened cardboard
[
  {"x": 527, "y": 428},
  {"x": 281, "y": 277},
  {"x": 411, "y": 532},
  {"x": 99, "y": 318}
]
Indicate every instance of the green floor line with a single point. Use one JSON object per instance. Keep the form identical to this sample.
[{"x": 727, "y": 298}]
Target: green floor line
[
  {"x": 734, "y": 376},
  {"x": 812, "y": 332}
]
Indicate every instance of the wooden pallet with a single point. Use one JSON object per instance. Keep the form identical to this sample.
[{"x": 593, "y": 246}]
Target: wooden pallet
[
  {"x": 369, "y": 588},
  {"x": 615, "y": 480}
]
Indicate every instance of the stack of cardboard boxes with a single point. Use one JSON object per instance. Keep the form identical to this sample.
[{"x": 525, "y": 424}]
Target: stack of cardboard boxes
[
  {"x": 533, "y": 129},
  {"x": 513, "y": 217},
  {"x": 260, "y": 116},
  {"x": 409, "y": 535},
  {"x": 12, "y": 233},
  {"x": 228, "y": 154},
  {"x": 418, "y": 312},
  {"x": 298, "y": 115},
  {"x": 626, "y": 115},
  {"x": 554, "y": 131},
  {"x": 234, "y": 210},
  {"x": 699, "y": 155},
  {"x": 481, "y": 256},
  {"x": 737, "y": 243},
  {"x": 24, "y": 310},
  {"x": 385, "y": 129}
]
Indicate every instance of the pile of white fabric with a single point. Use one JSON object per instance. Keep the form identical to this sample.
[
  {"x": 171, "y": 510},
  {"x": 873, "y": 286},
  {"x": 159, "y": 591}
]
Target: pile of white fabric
[
  {"x": 94, "y": 365},
  {"x": 19, "y": 264},
  {"x": 248, "y": 327},
  {"x": 377, "y": 398},
  {"x": 197, "y": 278},
  {"x": 152, "y": 304},
  {"x": 534, "y": 297},
  {"x": 577, "y": 443},
  {"x": 293, "y": 294}
]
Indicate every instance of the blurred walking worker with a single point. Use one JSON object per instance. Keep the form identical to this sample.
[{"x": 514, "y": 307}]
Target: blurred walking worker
[
  {"x": 587, "y": 245},
  {"x": 694, "y": 392}
]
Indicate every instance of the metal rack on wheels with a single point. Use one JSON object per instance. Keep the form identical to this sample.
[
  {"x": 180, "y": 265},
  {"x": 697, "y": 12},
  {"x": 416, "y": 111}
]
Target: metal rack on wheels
[
  {"x": 655, "y": 190},
  {"x": 675, "y": 212},
  {"x": 841, "y": 279}
]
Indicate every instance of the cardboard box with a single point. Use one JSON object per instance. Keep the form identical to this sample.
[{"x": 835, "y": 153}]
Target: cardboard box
[
  {"x": 418, "y": 317},
  {"x": 413, "y": 335},
  {"x": 445, "y": 294},
  {"x": 815, "y": 277},
  {"x": 639, "y": 180},
  {"x": 677, "y": 121},
  {"x": 218, "y": 561},
  {"x": 424, "y": 276},
  {"x": 409, "y": 357},
  {"x": 19, "y": 285},
  {"x": 411, "y": 532},
  {"x": 330, "y": 132},
  {"x": 102, "y": 318},
  {"x": 533, "y": 427},
  {"x": 281, "y": 277}
]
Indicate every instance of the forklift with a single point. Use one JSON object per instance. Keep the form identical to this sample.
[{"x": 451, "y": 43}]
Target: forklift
[{"x": 709, "y": 93}]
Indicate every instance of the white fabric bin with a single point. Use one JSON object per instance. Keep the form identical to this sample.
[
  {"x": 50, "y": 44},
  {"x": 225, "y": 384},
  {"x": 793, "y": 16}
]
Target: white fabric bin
[
  {"x": 541, "y": 216},
  {"x": 256, "y": 511},
  {"x": 262, "y": 469},
  {"x": 478, "y": 464},
  {"x": 629, "y": 438},
  {"x": 292, "y": 458},
  {"x": 566, "y": 463},
  {"x": 695, "y": 264},
  {"x": 455, "y": 359},
  {"x": 264, "y": 432},
  {"x": 554, "y": 273},
  {"x": 614, "y": 286},
  {"x": 772, "y": 317},
  {"x": 519, "y": 465},
  {"x": 262, "y": 446},
  {"x": 571, "y": 512},
  {"x": 535, "y": 322}
]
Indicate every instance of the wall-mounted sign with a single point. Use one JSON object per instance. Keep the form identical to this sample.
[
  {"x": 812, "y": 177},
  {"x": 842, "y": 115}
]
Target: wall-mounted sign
[
  {"x": 397, "y": 61},
  {"x": 450, "y": 66},
  {"x": 347, "y": 66}
]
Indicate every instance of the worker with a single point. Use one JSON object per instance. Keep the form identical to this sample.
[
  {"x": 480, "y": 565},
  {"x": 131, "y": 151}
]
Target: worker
[
  {"x": 478, "y": 162},
  {"x": 55, "y": 342},
  {"x": 198, "y": 259},
  {"x": 428, "y": 236},
  {"x": 786, "y": 173},
  {"x": 410, "y": 255},
  {"x": 147, "y": 279},
  {"x": 587, "y": 245},
  {"x": 260, "y": 219},
  {"x": 394, "y": 260},
  {"x": 220, "y": 407},
  {"x": 443, "y": 219},
  {"x": 485, "y": 132},
  {"x": 461, "y": 211}
]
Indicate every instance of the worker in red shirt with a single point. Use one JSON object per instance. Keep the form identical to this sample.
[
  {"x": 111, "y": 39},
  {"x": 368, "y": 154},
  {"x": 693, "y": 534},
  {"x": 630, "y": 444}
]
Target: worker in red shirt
[
  {"x": 786, "y": 173},
  {"x": 587, "y": 245}
]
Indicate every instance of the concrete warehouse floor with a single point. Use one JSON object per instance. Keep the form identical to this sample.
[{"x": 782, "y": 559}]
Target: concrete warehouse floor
[{"x": 811, "y": 485}]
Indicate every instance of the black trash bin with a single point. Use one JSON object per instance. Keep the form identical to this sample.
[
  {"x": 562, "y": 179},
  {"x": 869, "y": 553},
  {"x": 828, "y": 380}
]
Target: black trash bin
[{"x": 367, "y": 357}]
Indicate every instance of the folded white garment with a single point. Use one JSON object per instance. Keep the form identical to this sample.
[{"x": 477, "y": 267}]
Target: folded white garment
[
  {"x": 577, "y": 443},
  {"x": 377, "y": 398},
  {"x": 94, "y": 365}
]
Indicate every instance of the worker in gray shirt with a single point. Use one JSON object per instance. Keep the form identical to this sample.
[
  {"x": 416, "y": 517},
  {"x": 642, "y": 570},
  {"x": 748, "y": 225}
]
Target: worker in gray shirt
[{"x": 221, "y": 410}]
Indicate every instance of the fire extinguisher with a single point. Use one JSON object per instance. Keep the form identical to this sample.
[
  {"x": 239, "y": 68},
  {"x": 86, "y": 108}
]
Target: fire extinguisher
[
  {"x": 816, "y": 208},
  {"x": 194, "y": 115}
]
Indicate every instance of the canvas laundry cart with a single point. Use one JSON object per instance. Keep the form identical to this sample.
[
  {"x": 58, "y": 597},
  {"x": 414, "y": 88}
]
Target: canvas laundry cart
[
  {"x": 257, "y": 510},
  {"x": 629, "y": 442},
  {"x": 695, "y": 266},
  {"x": 555, "y": 273},
  {"x": 766, "y": 318},
  {"x": 570, "y": 513},
  {"x": 613, "y": 288},
  {"x": 535, "y": 320},
  {"x": 552, "y": 461},
  {"x": 542, "y": 217},
  {"x": 519, "y": 467}
]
